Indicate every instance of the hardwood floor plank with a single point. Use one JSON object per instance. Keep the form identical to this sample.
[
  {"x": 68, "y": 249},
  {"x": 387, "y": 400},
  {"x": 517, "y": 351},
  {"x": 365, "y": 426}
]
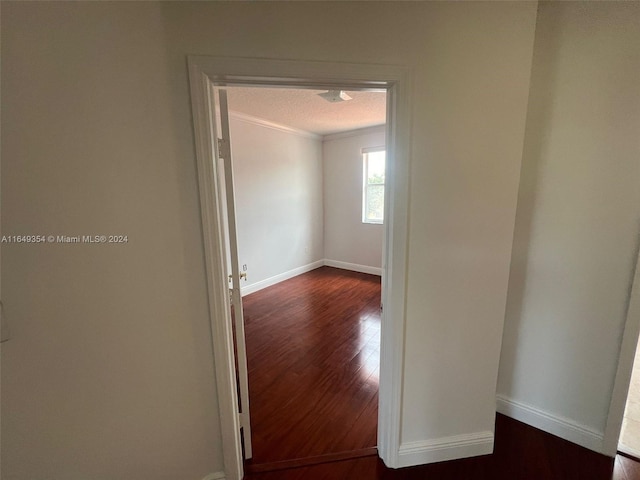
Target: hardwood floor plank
[
  {"x": 313, "y": 355},
  {"x": 310, "y": 461},
  {"x": 313, "y": 349},
  {"x": 521, "y": 453},
  {"x": 629, "y": 467},
  {"x": 619, "y": 472}
]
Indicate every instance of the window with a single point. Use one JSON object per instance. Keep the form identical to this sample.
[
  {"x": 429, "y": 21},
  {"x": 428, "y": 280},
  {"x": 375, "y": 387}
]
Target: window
[{"x": 373, "y": 185}]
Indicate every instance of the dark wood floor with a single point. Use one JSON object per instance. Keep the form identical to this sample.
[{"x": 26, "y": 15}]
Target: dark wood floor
[
  {"x": 313, "y": 358},
  {"x": 521, "y": 453},
  {"x": 313, "y": 353}
]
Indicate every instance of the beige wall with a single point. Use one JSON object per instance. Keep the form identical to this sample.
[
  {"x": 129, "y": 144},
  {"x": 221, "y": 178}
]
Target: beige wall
[
  {"x": 278, "y": 190},
  {"x": 346, "y": 238},
  {"x": 578, "y": 217},
  {"x": 108, "y": 374},
  {"x": 471, "y": 68}
]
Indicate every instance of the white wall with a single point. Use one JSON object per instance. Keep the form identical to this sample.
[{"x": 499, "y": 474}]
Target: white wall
[
  {"x": 278, "y": 187},
  {"x": 470, "y": 106},
  {"x": 108, "y": 374},
  {"x": 346, "y": 238},
  {"x": 470, "y": 69},
  {"x": 577, "y": 220}
]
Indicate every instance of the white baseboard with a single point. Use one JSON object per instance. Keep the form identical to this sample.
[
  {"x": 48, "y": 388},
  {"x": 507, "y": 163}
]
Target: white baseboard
[
  {"x": 447, "y": 448},
  {"x": 353, "y": 267},
  {"x": 555, "y": 424},
  {"x": 628, "y": 450},
  {"x": 254, "y": 287},
  {"x": 215, "y": 476}
]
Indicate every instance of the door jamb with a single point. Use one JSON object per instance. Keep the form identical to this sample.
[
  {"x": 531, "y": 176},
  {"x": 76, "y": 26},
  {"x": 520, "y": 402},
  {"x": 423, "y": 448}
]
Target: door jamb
[
  {"x": 207, "y": 70},
  {"x": 626, "y": 359}
]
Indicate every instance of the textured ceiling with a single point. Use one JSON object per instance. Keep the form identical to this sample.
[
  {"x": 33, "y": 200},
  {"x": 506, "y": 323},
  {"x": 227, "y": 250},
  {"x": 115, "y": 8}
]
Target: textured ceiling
[{"x": 305, "y": 110}]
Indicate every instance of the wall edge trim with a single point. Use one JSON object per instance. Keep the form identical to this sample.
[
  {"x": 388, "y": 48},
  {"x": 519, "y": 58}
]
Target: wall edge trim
[
  {"x": 354, "y": 267},
  {"x": 273, "y": 125},
  {"x": 445, "y": 448},
  {"x": 281, "y": 277},
  {"x": 215, "y": 476},
  {"x": 557, "y": 425},
  {"x": 355, "y": 133}
]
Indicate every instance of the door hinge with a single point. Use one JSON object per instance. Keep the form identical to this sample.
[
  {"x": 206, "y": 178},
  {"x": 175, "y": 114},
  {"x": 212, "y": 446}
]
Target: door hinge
[
  {"x": 224, "y": 148},
  {"x": 243, "y": 419}
]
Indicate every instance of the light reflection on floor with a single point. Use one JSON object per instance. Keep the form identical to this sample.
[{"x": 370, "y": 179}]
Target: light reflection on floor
[{"x": 369, "y": 342}]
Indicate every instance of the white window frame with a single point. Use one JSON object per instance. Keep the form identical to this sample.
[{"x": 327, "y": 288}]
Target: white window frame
[{"x": 365, "y": 182}]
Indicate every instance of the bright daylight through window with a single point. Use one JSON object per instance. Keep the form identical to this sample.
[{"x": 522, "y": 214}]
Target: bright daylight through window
[{"x": 373, "y": 185}]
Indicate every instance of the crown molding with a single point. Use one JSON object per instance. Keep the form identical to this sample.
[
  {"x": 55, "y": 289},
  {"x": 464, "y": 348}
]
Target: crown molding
[
  {"x": 354, "y": 133},
  {"x": 273, "y": 125}
]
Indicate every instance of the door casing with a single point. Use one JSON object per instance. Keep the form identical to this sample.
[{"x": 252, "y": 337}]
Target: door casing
[
  {"x": 206, "y": 71},
  {"x": 626, "y": 359}
]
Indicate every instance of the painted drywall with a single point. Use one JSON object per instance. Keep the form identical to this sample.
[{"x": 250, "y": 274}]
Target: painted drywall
[
  {"x": 470, "y": 67},
  {"x": 470, "y": 101},
  {"x": 278, "y": 192},
  {"x": 577, "y": 219},
  {"x": 346, "y": 238},
  {"x": 108, "y": 373}
]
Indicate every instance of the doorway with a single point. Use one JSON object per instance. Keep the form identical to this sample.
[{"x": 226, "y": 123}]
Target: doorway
[
  {"x": 629, "y": 443},
  {"x": 206, "y": 71},
  {"x": 629, "y": 439},
  {"x": 621, "y": 432},
  {"x": 309, "y": 179}
]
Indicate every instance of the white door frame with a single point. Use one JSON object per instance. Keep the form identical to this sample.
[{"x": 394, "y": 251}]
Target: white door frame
[
  {"x": 204, "y": 70},
  {"x": 625, "y": 368}
]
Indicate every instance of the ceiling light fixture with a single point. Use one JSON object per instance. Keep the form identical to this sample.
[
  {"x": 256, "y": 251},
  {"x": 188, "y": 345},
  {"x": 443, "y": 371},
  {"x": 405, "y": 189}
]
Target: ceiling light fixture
[{"x": 335, "y": 96}]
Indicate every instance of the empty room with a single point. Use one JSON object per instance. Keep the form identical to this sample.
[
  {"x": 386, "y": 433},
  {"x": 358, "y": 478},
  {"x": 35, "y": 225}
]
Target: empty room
[{"x": 308, "y": 169}]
